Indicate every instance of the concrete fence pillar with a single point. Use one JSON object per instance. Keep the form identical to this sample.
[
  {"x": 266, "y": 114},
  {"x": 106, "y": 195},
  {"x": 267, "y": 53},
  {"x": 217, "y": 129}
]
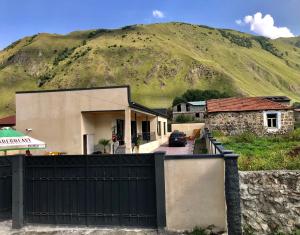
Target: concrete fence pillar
[
  {"x": 159, "y": 158},
  {"x": 17, "y": 192},
  {"x": 232, "y": 194}
]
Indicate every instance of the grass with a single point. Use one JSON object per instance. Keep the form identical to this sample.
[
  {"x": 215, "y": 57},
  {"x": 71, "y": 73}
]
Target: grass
[
  {"x": 264, "y": 153},
  {"x": 159, "y": 61}
]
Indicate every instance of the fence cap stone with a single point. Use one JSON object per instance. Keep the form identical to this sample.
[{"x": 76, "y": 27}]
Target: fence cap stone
[{"x": 231, "y": 156}]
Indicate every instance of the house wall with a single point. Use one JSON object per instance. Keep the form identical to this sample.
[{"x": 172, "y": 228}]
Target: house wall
[
  {"x": 232, "y": 123},
  {"x": 55, "y": 117},
  {"x": 195, "y": 193},
  {"x": 193, "y": 110},
  {"x": 187, "y": 128}
]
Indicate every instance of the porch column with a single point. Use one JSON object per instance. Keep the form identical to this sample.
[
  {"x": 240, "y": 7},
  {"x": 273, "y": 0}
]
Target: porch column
[{"x": 127, "y": 128}]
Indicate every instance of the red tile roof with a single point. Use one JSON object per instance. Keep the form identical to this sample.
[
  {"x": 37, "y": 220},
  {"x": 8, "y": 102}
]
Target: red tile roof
[
  {"x": 8, "y": 121},
  {"x": 236, "y": 104}
]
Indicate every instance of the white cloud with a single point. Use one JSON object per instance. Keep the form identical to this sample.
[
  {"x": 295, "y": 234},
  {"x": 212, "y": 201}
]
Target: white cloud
[
  {"x": 239, "y": 22},
  {"x": 158, "y": 14},
  {"x": 264, "y": 25}
]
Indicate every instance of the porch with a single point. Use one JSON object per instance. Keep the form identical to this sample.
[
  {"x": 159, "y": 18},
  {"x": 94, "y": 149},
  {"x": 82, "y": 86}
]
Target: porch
[{"x": 124, "y": 128}]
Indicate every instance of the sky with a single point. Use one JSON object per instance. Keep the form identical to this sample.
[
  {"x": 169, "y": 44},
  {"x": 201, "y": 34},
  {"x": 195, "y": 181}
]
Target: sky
[{"x": 270, "y": 18}]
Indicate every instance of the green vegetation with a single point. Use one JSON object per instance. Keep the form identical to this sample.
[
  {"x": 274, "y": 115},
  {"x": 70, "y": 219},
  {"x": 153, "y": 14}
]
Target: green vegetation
[
  {"x": 199, "y": 147},
  {"x": 184, "y": 119},
  {"x": 159, "y": 61},
  {"x": 268, "y": 46},
  {"x": 199, "y": 95},
  {"x": 236, "y": 39},
  {"x": 264, "y": 153},
  {"x": 104, "y": 143},
  {"x": 63, "y": 55}
]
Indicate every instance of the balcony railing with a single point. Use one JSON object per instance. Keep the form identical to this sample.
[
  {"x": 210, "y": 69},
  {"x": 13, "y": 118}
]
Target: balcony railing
[{"x": 145, "y": 137}]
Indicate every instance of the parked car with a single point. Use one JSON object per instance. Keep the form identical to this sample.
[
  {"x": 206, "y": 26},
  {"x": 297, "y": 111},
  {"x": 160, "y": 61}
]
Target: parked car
[{"x": 177, "y": 138}]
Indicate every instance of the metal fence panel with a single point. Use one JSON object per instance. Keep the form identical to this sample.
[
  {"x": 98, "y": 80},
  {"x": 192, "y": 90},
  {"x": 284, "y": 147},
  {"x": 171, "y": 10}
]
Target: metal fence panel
[
  {"x": 114, "y": 190},
  {"x": 5, "y": 187}
]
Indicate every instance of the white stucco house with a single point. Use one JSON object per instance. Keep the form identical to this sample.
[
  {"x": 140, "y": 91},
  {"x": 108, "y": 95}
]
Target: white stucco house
[{"x": 74, "y": 120}]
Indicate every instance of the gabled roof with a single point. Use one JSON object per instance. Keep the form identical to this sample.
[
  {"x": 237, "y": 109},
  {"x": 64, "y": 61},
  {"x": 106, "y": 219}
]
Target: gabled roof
[
  {"x": 8, "y": 121},
  {"x": 237, "y": 104},
  {"x": 197, "y": 103}
]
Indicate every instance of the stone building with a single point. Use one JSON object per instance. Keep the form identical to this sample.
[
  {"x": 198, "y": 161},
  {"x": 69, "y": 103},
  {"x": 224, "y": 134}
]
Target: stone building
[
  {"x": 252, "y": 114},
  {"x": 194, "y": 109}
]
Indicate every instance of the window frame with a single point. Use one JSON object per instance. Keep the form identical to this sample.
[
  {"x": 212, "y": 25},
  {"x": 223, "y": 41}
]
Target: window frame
[
  {"x": 159, "y": 128},
  {"x": 178, "y": 108},
  {"x": 278, "y": 120}
]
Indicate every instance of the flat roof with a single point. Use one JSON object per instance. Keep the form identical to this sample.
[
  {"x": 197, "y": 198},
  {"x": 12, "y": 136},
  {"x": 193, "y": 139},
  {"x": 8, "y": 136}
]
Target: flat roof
[
  {"x": 72, "y": 89},
  {"x": 131, "y": 103}
]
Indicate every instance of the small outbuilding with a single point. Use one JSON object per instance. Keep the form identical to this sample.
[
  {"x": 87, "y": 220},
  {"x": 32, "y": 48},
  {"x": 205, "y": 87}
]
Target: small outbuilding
[
  {"x": 253, "y": 114},
  {"x": 193, "y": 109}
]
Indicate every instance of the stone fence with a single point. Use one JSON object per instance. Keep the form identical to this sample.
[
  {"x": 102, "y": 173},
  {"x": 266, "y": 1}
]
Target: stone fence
[{"x": 270, "y": 201}]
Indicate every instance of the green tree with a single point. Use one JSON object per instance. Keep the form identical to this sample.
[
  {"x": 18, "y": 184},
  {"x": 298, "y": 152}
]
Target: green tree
[{"x": 197, "y": 95}]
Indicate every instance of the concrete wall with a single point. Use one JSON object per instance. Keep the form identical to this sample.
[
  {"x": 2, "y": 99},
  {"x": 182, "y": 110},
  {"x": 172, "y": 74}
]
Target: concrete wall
[
  {"x": 232, "y": 123},
  {"x": 195, "y": 193},
  {"x": 187, "y": 128}
]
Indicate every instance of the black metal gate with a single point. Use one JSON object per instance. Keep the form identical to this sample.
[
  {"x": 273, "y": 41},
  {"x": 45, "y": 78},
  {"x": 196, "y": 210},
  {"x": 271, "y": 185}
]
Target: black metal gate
[
  {"x": 116, "y": 190},
  {"x": 5, "y": 188}
]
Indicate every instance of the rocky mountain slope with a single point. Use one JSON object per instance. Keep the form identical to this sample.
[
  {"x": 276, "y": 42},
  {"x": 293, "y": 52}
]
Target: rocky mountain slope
[{"x": 159, "y": 61}]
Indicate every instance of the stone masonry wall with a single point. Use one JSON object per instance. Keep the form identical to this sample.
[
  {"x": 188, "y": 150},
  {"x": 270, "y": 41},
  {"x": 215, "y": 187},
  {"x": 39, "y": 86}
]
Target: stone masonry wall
[
  {"x": 270, "y": 200},
  {"x": 232, "y": 123}
]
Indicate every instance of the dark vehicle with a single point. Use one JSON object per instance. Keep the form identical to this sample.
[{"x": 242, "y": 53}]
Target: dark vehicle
[{"x": 177, "y": 138}]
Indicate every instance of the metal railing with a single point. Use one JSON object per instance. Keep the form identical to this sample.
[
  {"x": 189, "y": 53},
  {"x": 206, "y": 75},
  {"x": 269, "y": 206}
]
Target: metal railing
[{"x": 146, "y": 137}]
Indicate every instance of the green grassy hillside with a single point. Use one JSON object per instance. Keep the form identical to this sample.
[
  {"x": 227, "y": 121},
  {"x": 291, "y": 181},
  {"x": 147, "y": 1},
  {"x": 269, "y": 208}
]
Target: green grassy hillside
[{"x": 159, "y": 61}]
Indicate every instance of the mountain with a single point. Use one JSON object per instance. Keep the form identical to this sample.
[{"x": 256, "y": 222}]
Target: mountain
[{"x": 159, "y": 61}]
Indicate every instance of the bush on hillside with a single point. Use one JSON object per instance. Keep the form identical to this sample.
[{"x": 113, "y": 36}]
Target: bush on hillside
[
  {"x": 236, "y": 39},
  {"x": 267, "y": 45},
  {"x": 196, "y": 95}
]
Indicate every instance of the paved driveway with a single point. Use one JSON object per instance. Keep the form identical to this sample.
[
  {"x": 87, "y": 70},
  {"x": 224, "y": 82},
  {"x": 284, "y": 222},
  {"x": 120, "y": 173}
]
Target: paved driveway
[{"x": 188, "y": 149}]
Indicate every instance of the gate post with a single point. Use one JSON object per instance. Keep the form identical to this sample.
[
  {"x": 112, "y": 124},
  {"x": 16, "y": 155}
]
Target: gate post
[
  {"x": 232, "y": 194},
  {"x": 159, "y": 158},
  {"x": 17, "y": 192}
]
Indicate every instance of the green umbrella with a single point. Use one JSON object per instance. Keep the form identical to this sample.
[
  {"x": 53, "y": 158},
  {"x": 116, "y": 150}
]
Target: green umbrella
[{"x": 11, "y": 139}]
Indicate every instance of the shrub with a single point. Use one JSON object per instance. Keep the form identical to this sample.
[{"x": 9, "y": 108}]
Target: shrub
[
  {"x": 184, "y": 118},
  {"x": 198, "y": 231},
  {"x": 267, "y": 45},
  {"x": 63, "y": 55},
  {"x": 236, "y": 39}
]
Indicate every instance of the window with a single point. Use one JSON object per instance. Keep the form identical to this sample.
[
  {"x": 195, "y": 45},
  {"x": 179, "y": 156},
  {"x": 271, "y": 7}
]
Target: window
[
  {"x": 165, "y": 131},
  {"x": 197, "y": 115},
  {"x": 187, "y": 107},
  {"x": 159, "y": 128},
  {"x": 179, "y": 108},
  {"x": 272, "y": 120}
]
